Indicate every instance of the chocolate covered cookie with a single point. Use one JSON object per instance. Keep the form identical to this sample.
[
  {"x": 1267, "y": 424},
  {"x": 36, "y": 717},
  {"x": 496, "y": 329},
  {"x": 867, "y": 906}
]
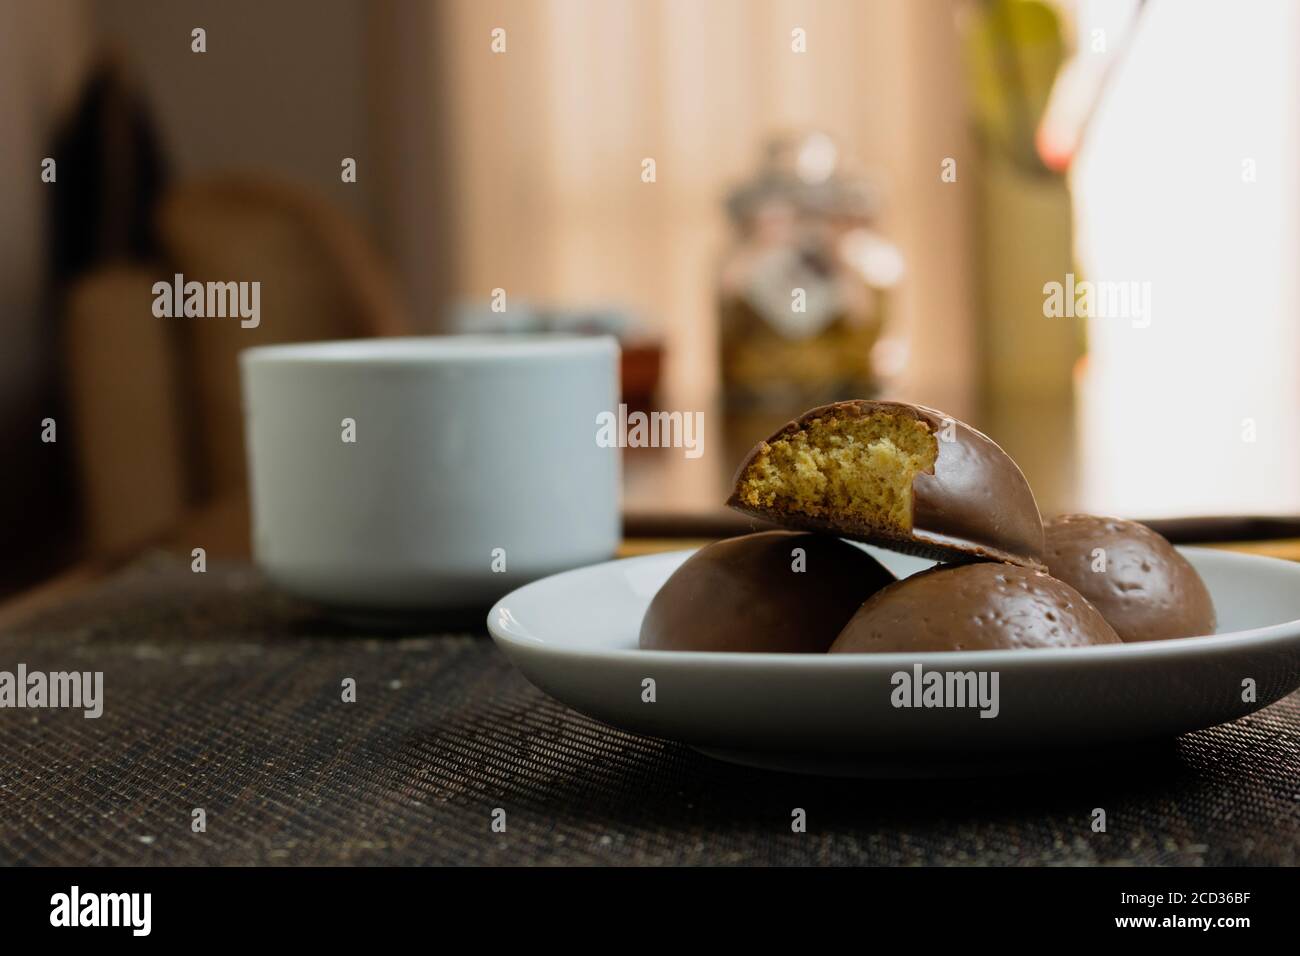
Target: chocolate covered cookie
[
  {"x": 773, "y": 591},
  {"x": 974, "y": 607},
  {"x": 1139, "y": 582},
  {"x": 902, "y": 476}
]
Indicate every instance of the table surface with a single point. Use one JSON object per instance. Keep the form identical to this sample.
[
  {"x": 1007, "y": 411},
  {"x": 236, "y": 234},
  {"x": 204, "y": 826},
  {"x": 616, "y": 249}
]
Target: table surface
[{"x": 225, "y": 696}]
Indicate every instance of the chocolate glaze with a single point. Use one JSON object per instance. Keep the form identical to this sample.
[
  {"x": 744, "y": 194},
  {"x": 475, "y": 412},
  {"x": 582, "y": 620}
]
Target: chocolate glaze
[
  {"x": 974, "y": 607},
  {"x": 1148, "y": 591},
  {"x": 975, "y": 504},
  {"x": 742, "y": 594}
]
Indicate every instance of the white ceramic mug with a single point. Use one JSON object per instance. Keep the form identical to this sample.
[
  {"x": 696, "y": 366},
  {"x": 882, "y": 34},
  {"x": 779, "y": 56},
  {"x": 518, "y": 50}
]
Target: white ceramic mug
[{"x": 415, "y": 473}]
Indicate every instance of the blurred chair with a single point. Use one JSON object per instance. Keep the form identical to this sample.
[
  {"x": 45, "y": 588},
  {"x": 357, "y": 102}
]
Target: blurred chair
[
  {"x": 157, "y": 401},
  {"x": 122, "y": 393},
  {"x": 320, "y": 279}
]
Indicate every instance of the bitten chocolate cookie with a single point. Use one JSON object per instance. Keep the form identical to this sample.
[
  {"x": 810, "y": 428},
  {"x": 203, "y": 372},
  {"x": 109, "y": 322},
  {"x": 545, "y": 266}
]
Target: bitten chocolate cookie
[
  {"x": 1141, "y": 585},
  {"x": 974, "y": 607},
  {"x": 756, "y": 593},
  {"x": 905, "y": 477}
]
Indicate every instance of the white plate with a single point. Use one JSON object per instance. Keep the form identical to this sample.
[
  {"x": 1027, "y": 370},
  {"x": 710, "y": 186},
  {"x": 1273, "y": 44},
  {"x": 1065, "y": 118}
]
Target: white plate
[{"x": 574, "y": 635}]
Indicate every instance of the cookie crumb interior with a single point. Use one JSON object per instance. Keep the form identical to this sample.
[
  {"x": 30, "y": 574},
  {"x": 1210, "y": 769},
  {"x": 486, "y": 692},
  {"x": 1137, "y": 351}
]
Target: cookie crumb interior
[{"x": 858, "y": 467}]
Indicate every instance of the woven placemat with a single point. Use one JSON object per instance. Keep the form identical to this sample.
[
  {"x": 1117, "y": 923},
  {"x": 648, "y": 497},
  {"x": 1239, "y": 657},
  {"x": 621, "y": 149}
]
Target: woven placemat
[{"x": 223, "y": 695}]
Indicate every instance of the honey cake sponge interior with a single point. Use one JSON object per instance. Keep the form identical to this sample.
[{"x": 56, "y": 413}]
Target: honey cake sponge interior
[{"x": 858, "y": 467}]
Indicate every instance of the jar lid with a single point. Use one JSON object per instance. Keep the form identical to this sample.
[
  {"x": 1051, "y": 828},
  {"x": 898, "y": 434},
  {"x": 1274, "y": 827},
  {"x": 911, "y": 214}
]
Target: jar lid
[{"x": 803, "y": 171}]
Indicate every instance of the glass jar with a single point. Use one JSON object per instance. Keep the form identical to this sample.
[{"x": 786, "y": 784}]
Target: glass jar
[{"x": 802, "y": 288}]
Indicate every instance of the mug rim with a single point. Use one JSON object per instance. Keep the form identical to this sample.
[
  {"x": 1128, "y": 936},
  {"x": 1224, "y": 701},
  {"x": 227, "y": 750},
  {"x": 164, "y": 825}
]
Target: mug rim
[{"x": 431, "y": 349}]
